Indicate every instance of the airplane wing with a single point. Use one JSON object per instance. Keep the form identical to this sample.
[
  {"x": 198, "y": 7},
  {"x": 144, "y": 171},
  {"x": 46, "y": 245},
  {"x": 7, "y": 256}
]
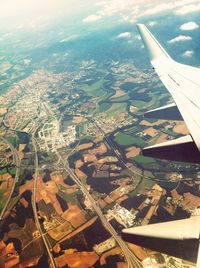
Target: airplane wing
[
  {"x": 183, "y": 83},
  {"x": 179, "y": 238}
]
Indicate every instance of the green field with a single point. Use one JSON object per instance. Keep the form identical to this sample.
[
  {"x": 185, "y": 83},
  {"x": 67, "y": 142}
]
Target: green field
[
  {"x": 3, "y": 171},
  {"x": 104, "y": 106},
  {"x": 139, "y": 104},
  {"x": 145, "y": 184},
  {"x": 120, "y": 99},
  {"x": 154, "y": 103},
  {"x": 12, "y": 170},
  {"x": 171, "y": 133},
  {"x": 116, "y": 109},
  {"x": 95, "y": 90},
  {"x": 2, "y": 201},
  {"x": 68, "y": 197},
  {"x": 12, "y": 140},
  {"x": 144, "y": 160},
  {"x": 125, "y": 139}
]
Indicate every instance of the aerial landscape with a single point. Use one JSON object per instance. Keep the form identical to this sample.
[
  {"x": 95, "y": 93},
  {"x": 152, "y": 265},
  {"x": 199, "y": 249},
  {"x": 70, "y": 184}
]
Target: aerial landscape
[{"x": 75, "y": 82}]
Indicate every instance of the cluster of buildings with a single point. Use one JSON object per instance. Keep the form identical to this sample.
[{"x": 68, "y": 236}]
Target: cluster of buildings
[
  {"x": 27, "y": 110},
  {"x": 111, "y": 123},
  {"x": 92, "y": 130},
  {"x": 173, "y": 262},
  {"x": 105, "y": 246},
  {"x": 168, "y": 261},
  {"x": 50, "y": 138},
  {"x": 23, "y": 114},
  {"x": 122, "y": 215},
  {"x": 6, "y": 156}
]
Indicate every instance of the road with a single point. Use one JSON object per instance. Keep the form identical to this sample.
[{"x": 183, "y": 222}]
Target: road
[
  {"x": 52, "y": 261},
  {"x": 110, "y": 144},
  {"x": 131, "y": 259},
  {"x": 17, "y": 161}
]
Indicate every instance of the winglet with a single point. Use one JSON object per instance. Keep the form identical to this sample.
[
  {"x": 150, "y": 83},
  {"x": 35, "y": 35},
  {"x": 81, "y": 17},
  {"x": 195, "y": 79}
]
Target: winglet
[{"x": 156, "y": 51}]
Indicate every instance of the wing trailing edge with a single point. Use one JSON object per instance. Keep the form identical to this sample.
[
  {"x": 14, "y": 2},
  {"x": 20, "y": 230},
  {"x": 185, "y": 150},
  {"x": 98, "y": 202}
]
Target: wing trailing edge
[
  {"x": 167, "y": 112},
  {"x": 179, "y": 238},
  {"x": 182, "y": 149}
]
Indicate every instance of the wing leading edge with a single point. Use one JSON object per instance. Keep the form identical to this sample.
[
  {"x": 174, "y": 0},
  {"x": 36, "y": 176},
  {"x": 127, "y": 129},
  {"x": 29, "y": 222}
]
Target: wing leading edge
[{"x": 183, "y": 83}]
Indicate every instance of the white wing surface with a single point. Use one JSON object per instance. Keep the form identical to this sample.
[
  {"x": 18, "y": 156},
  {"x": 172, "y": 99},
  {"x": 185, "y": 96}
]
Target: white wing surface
[{"x": 183, "y": 83}]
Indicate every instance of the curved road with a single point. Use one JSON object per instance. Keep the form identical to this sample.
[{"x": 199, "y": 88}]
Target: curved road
[{"x": 17, "y": 164}]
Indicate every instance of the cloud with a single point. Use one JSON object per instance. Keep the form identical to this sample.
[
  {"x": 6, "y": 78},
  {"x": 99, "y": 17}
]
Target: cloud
[
  {"x": 152, "y": 23},
  {"x": 180, "y": 38},
  {"x": 138, "y": 37},
  {"x": 23, "y": 14},
  {"x": 132, "y": 10},
  {"x": 10, "y": 8},
  {"x": 124, "y": 35},
  {"x": 170, "y": 5},
  {"x": 147, "y": 8},
  {"x": 188, "y": 9},
  {"x": 188, "y": 26},
  {"x": 110, "y": 8},
  {"x": 188, "y": 53},
  {"x": 92, "y": 18},
  {"x": 70, "y": 38},
  {"x": 157, "y": 9}
]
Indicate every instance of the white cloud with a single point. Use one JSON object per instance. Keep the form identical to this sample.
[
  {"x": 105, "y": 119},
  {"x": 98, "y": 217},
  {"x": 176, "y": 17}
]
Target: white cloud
[
  {"x": 69, "y": 38},
  {"x": 180, "y": 38},
  {"x": 188, "y": 9},
  {"x": 155, "y": 8},
  {"x": 10, "y": 8},
  {"x": 102, "y": 3},
  {"x": 34, "y": 15},
  {"x": 138, "y": 37},
  {"x": 188, "y": 26},
  {"x": 92, "y": 18},
  {"x": 132, "y": 10},
  {"x": 152, "y": 23},
  {"x": 109, "y": 8},
  {"x": 124, "y": 35},
  {"x": 188, "y": 53}
]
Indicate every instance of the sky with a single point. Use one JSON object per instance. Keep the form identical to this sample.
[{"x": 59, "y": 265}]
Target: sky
[
  {"x": 134, "y": 10},
  {"x": 29, "y": 14},
  {"x": 16, "y": 8},
  {"x": 34, "y": 13},
  {"x": 87, "y": 16}
]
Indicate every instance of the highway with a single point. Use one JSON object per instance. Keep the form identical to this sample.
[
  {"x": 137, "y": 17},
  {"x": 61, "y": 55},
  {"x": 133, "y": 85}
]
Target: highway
[
  {"x": 131, "y": 259},
  {"x": 17, "y": 161},
  {"x": 51, "y": 259}
]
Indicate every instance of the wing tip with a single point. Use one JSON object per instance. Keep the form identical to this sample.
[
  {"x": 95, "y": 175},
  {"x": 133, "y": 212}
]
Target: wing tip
[{"x": 156, "y": 51}]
